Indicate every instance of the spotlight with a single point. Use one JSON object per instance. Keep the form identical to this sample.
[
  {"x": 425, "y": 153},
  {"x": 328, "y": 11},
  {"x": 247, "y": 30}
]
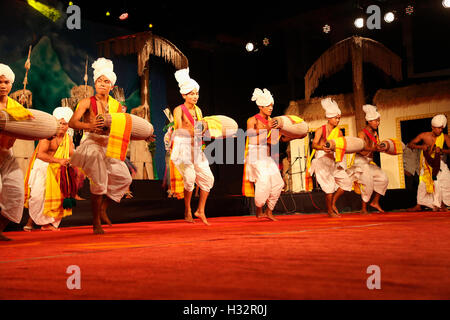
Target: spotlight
[
  {"x": 123, "y": 16},
  {"x": 389, "y": 17},
  {"x": 107, "y": 13},
  {"x": 359, "y": 23},
  {"x": 326, "y": 28},
  {"x": 446, "y": 3},
  {"x": 150, "y": 25},
  {"x": 266, "y": 41},
  {"x": 409, "y": 10},
  {"x": 249, "y": 47},
  {"x": 70, "y": 3}
]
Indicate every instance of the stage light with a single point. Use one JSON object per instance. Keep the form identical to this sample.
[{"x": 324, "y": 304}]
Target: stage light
[
  {"x": 123, "y": 16},
  {"x": 107, "y": 13},
  {"x": 70, "y": 3},
  {"x": 326, "y": 28},
  {"x": 389, "y": 17},
  {"x": 150, "y": 25},
  {"x": 446, "y": 3},
  {"x": 266, "y": 42},
  {"x": 50, "y": 12},
  {"x": 249, "y": 47},
  {"x": 359, "y": 23},
  {"x": 409, "y": 10}
]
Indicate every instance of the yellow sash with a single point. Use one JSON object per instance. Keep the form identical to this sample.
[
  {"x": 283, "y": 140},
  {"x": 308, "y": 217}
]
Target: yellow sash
[
  {"x": 427, "y": 177},
  {"x": 53, "y": 203},
  {"x": 17, "y": 112},
  {"x": 176, "y": 179},
  {"x": 333, "y": 135}
]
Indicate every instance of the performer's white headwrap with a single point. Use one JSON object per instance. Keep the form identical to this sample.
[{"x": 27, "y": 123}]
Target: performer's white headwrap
[
  {"x": 439, "y": 121},
  {"x": 371, "y": 112},
  {"x": 331, "y": 108},
  {"x": 185, "y": 82},
  {"x": 7, "y": 72},
  {"x": 63, "y": 113},
  {"x": 104, "y": 67},
  {"x": 263, "y": 97}
]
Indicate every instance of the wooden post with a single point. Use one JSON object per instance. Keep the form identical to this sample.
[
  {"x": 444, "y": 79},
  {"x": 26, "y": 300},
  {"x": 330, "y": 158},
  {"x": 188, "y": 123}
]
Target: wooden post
[{"x": 358, "y": 84}]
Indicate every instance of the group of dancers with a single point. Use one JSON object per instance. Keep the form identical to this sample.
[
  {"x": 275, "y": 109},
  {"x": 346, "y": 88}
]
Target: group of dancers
[{"x": 110, "y": 178}]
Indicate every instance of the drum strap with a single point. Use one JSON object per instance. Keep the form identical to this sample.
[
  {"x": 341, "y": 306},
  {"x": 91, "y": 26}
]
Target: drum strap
[
  {"x": 371, "y": 137},
  {"x": 188, "y": 114}
]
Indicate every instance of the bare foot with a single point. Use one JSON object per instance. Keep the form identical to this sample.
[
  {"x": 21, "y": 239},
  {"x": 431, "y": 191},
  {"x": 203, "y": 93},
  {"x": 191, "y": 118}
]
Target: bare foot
[
  {"x": 98, "y": 229},
  {"x": 27, "y": 228},
  {"x": 364, "y": 211},
  {"x": 105, "y": 219},
  {"x": 3, "y": 238},
  {"x": 333, "y": 214},
  {"x": 376, "y": 206},
  {"x": 77, "y": 197},
  {"x": 260, "y": 214},
  {"x": 444, "y": 209},
  {"x": 188, "y": 216},
  {"x": 335, "y": 210},
  {"x": 202, "y": 217},
  {"x": 271, "y": 217},
  {"x": 418, "y": 207},
  {"x": 49, "y": 227}
]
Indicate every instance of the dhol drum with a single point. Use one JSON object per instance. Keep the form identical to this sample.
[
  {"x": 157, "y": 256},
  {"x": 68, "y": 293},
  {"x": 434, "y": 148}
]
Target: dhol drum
[
  {"x": 141, "y": 129},
  {"x": 392, "y": 147},
  {"x": 220, "y": 127},
  {"x": 290, "y": 129},
  {"x": 353, "y": 144},
  {"x": 43, "y": 126}
]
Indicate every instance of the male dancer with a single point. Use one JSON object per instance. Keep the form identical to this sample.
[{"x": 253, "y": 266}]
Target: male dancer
[
  {"x": 110, "y": 178},
  {"x": 43, "y": 195},
  {"x": 260, "y": 168},
  {"x": 370, "y": 178},
  {"x": 434, "y": 185},
  {"x": 330, "y": 175},
  {"x": 190, "y": 165},
  {"x": 11, "y": 176}
]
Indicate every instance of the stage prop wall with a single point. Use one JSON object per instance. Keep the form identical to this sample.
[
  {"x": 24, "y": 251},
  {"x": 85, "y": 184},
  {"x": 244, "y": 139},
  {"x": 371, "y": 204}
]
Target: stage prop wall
[{"x": 58, "y": 60}]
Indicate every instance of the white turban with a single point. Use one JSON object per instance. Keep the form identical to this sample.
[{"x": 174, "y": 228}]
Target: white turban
[
  {"x": 439, "y": 121},
  {"x": 104, "y": 67},
  {"x": 331, "y": 108},
  {"x": 7, "y": 72},
  {"x": 371, "y": 112},
  {"x": 63, "y": 113},
  {"x": 185, "y": 82},
  {"x": 263, "y": 98}
]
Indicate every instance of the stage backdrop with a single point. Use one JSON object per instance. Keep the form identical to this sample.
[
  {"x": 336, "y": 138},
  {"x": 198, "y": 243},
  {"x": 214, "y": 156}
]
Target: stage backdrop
[{"x": 58, "y": 61}]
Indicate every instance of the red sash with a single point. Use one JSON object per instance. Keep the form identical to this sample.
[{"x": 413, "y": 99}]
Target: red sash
[
  {"x": 371, "y": 137},
  {"x": 260, "y": 118},
  {"x": 188, "y": 114},
  {"x": 94, "y": 106}
]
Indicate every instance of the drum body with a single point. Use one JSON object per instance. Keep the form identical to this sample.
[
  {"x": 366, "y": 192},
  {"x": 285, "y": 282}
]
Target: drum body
[
  {"x": 43, "y": 126},
  {"x": 392, "y": 149},
  {"x": 353, "y": 144},
  {"x": 141, "y": 129},
  {"x": 290, "y": 129},
  {"x": 220, "y": 127}
]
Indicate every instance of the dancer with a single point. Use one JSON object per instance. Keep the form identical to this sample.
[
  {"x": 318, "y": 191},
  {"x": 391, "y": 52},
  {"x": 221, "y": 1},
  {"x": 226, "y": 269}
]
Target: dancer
[
  {"x": 189, "y": 165},
  {"x": 365, "y": 173},
  {"x": 434, "y": 185},
  {"x": 11, "y": 176},
  {"x": 330, "y": 175},
  {"x": 262, "y": 179},
  {"x": 96, "y": 155},
  {"x": 43, "y": 196}
]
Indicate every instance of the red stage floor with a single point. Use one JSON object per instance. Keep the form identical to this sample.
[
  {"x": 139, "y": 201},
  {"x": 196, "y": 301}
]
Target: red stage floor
[{"x": 298, "y": 257}]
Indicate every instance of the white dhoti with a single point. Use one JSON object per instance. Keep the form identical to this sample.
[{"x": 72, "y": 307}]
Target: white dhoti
[
  {"x": 369, "y": 176},
  {"x": 441, "y": 192},
  {"x": 37, "y": 185},
  {"x": 107, "y": 176},
  {"x": 329, "y": 174},
  {"x": 11, "y": 187},
  {"x": 262, "y": 170},
  {"x": 192, "y": 164}
]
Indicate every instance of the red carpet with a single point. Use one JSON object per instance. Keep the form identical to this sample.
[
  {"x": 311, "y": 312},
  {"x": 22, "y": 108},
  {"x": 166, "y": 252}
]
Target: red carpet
[{"x": 298, "y": 257}]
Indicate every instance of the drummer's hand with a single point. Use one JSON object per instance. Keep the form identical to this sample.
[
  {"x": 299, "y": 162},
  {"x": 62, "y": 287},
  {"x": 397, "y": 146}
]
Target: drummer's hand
[
  {"x": 97, "y": 125},
  {"x": 273, "y": 124},
  {"x": 63, "y": 162},
  {"x": 326, "y": 149},
  {"x": 380, "y": 148},
  {"x": 437, "y": 150},
  {"x": 151, "y": 138}
]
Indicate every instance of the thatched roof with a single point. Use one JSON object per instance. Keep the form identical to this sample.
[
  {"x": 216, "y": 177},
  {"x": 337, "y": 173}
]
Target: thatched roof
[
  {"x": 311, "y": 109},
  {"x": 414, "y": 94}
]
